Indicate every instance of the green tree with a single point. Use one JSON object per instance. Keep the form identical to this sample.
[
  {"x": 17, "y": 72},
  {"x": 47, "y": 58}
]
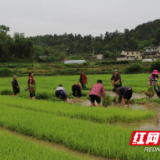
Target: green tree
[
  {"x": 4, "y": 28},
  {"x": 157, "y": 35}
]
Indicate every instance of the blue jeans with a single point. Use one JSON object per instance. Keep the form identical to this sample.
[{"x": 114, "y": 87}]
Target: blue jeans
[
  {"x": 156, "y": 88},
  {"x": 83, "y": 86}
]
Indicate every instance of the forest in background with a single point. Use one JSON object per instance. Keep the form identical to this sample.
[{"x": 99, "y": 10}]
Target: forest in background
[{"x": 56, "y": 47}]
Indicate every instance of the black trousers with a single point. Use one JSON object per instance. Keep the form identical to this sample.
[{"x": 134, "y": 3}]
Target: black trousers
[
  {"x": 128, "y": 94},
  {"x": 76, "y": 89}
]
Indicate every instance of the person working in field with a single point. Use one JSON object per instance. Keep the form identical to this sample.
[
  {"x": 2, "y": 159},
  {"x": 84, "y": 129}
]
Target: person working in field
[
  {"x": 83, "y": 80},
  {"x": 76, "y": 89},
  {"x": 15, "y": 85},
  {"x": 124, "y": 93},
  {"x": 116, "y": 80},
  {"x": 95, "y": 93},
  {"x": 153, "y": 81},
  {"x": 61, "y": 93},
  {"x": 31, "y": 86}
]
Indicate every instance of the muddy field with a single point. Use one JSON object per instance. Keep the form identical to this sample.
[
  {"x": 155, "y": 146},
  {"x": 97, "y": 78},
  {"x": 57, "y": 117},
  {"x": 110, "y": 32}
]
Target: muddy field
[{"x": 151, "y": 124}]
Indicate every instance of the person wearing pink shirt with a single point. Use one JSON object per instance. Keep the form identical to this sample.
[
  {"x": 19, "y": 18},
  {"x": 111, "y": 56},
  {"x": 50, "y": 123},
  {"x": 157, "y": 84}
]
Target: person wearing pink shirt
[{"x": 95, "y": 93}]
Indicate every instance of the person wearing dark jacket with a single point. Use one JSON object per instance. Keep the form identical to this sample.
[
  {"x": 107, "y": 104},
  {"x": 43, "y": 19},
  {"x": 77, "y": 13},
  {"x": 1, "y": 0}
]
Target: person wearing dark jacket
[
  {"x": 77, "y": 90},
  {"x": 15, "y": 85},
  {"x": 116, "y": 80},
  {"x": 124, "y": 93}
]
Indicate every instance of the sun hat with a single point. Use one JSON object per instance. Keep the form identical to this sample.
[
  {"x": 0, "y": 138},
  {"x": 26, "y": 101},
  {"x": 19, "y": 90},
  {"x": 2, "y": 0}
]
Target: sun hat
[
  {"x": 14, "y": 76},
  {"x": 116, "y": 70},
  {"x": 155, "y": 72}
]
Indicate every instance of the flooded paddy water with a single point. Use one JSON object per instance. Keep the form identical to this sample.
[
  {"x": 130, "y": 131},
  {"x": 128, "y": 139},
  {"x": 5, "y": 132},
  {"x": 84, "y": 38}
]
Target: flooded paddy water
[{"x": 148, "y": 125}]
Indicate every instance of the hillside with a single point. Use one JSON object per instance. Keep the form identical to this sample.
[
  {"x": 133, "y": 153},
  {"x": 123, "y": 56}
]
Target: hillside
[{"x": 146, "y": 34}]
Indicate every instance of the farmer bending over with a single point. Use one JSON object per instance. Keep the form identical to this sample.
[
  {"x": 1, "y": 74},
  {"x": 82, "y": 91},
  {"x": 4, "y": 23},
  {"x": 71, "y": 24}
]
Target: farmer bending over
[
  {"x": 153, "y": 80},
  {"x": 31, "y": 86},
  {"x": 76, "y": 89},
  {"x": 15, "y": 85},
  {"x": 124, "y": 93},
  {"x": 61, "y": 92},
  {"x": 95, "y": 93}
]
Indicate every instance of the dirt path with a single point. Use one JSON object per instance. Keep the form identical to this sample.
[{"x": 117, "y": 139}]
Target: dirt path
[{"x": 53, "y": 145}]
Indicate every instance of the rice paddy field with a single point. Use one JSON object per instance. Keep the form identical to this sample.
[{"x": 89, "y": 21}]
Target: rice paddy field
[
  {"x": 47, "y": 85},
  {"x": 76, "y": 131}
]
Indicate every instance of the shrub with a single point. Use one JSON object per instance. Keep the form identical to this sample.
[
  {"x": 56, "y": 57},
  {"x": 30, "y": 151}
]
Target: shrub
[
  {"x": 146, "y": 69},
  {"x": 12, "y": 66},
  {"x": 6, "y": 92},
  {"x": 5, "y": 72},
  {"x": 155, "y": 65},
  {"x": 115, "y": 62},
  {"x": 134, "y": 68}
]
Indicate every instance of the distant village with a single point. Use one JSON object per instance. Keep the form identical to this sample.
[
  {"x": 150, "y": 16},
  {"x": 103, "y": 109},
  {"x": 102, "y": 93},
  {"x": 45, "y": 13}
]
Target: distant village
[
  {"x": 151, "y": 53},
  {"x": 148, "y": 55}
]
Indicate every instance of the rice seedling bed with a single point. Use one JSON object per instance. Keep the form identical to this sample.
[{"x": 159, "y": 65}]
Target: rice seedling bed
[
  {"x": 16, "y": 148},
  {"x": 101, "y": 140},
  {"x": 95, "y": 114}
]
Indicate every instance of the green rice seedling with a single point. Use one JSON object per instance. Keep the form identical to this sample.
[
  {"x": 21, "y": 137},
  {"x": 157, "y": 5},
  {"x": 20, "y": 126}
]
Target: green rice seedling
[
  {"x": 88, "y": 97},
  {"x": 150, "y": 89},
  {"x": 118, "y": 83},
  {"x": 18, "y": 148},
  {"x": 150, "y": 92},
  {"x": 114, "y": 99},
  {"x": 106, "y": 141},
  {"x": 6, "y": 92},
  {"x": 33, "y": 87},
  {"x": 42, "y": 96},
  {"x": 59, "y": 108},
  {"x": 109, "y": 101}
]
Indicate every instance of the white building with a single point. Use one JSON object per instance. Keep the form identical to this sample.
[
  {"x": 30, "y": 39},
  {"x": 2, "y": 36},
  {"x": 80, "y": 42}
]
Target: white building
[
  {"x": 99, "y": 56},
  {"x": 74, "y": 62}
]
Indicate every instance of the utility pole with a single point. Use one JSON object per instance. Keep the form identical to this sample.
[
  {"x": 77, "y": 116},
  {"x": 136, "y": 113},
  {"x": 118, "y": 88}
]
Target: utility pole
[{"x": 93, "y": 51}]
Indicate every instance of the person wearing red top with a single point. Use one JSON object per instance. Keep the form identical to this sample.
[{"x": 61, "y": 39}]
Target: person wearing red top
[
  {"x": 95, "y": 93},
  {"x": 31, "y": 86},
  {"x": 83, "y": 80},
  {"x": 77, "y": 90}
]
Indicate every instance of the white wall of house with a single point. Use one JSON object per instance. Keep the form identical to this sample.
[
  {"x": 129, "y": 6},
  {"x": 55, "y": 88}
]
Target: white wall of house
[
  {"x": 152, "y": 49},
  {"x": 159, "y": 49},
  {"x": 120, "y": 58},
  {"x": 99, "y": 56},
  {"x": 123, "y": 53}
]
